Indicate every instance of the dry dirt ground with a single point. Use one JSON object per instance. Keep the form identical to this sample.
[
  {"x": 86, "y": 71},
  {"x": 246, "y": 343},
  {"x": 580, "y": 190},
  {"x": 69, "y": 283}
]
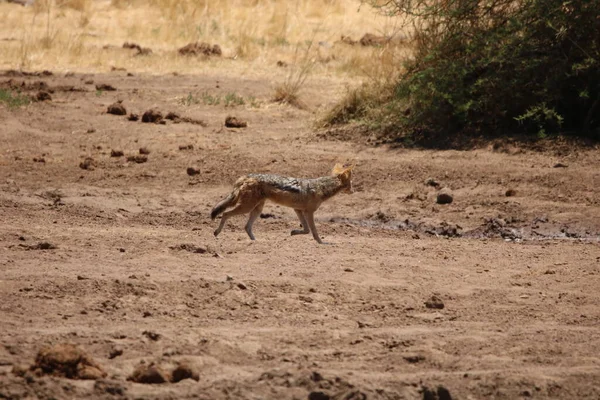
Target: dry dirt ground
[{"x": 119, "y": 258}]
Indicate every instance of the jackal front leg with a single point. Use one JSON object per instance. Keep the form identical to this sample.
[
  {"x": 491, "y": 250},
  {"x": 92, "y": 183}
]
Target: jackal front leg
[
  {"x": 310, "y": 217},
  {"x": 302, "y": 219}
]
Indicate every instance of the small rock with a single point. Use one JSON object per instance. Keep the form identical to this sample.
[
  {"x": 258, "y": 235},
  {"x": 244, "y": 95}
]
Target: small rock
[
  {"x": 67, "y": 361},
  {"x": 150, "y": 374},
  {"x": 144, "y": 150},
  {"x": 318, "y": 396},
  {"x": 147, "y": 314},
  {"x": 43, "y": 96},
  {"x": 133, "y": 117},
  {"x": 282, "y": 64},
  {"x": 88, "y": 164},
  {"x": 116, "y": 153},
  {"x": 432, "y": 182},
  {"x": 444, "y": 198},
  {"x": 413, "y": 358},
  {"x": 184, "y": 371},
  {"x": 186, "y": 147},
  {"x": 138, "y": 158},
  {"x": 510, "y": 193},
  {"x": 191, "y": 171},
  {"x": 116, "y": 109},
  {"x": 233, "y": 122},
  {"x": 115, "y": 352},
  {"x": 105, "y": 87},
  {"x": 560, "y": 165},
  {"x": 152, "y": 116},
  {"x": 229, "y": 278},
  {"x": 173, "y": 116},
  {"x": 242, "y": 286},
  {"x": 151, "y": 335},
  {"x": 435, "y": 303},
  {"x": 348, "y": 270}
]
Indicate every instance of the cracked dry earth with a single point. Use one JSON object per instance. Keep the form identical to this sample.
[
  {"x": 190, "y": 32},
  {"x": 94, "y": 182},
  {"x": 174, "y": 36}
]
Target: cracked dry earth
[{"x": 490, "y": 296}]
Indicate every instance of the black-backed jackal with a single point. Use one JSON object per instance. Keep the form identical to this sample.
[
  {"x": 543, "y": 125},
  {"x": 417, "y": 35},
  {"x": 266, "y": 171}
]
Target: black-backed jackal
[{"x": 250, "y": 193}]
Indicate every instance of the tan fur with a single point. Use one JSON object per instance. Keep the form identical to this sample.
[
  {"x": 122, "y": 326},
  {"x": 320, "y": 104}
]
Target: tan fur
[{"x": 250, "y": 193}]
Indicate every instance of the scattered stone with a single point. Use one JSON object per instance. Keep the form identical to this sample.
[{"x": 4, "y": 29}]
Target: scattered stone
[
  {"x": 184, "y": 371},
  {"x": 115, "y": 352},
  {"x": 43, "y": 96},
  {"x": 91, "y": 130},
  {"x": 82, "y": 278},
  {"x": 318, "y": 396},
  {"x": 151, "y": 335},
  {"x": 229, "y": 278},
  {"x": 150, "y": 374},
  {"x": 66, "y": 360},
  {"x": 39, "y": 159},
  {"x": 152, "y": 116},
  {"x": 113, "y": 69},
  {"x": 138, "y": 158},
  {"x": 144, "y": 150},
  {"x": 89, "y": 82},
  {"x": 348, "y": 270},
  {"x": 441, "y": 393},
  {"x": 510, "y": 193},
  {"x": 172, "y": 116},
  {"x": 186, "y": 147},
  {"x": 105, "y": 87},
  {"x": 116, "y": 153},
  {"x": 116, "y": 109},
  {"x": 146, "y": 314},
  {"x": 432, "y": 182},
  {"x": 282, "y": 64},
  {"x": 233, "y": 122},
  {"x": 444, "y": 198},
  {"x": 39, "y": 246},
  {"x": 88, "y": 163},
  {"x": 560, "y": 165},
  {"x": 200, "y": 48},
  {"x": 133, "y": 117},
  {"x": 191, "y": 171},
  {"x": 242, "y": 286},
  {"x": 435, "y": 303},
  {"x": 413, "y": 358}
]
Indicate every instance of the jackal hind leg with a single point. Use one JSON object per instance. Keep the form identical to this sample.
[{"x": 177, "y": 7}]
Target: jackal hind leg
[
  {"x": 242, "y": 208},
  {"x": 253, "y": 215},
  {"x": 302, "y": 219}
]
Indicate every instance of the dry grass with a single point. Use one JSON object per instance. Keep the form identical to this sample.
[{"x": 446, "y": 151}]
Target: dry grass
[{"x": 254, "y": 34}]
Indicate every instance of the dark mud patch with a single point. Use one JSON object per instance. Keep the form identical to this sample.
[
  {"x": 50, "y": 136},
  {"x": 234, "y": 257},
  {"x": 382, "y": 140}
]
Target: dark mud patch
[{"x": 538, "y": 229}]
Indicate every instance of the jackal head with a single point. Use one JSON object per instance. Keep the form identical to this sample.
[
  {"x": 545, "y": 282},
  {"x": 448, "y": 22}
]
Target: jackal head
[{"x": 344, "y": 173}]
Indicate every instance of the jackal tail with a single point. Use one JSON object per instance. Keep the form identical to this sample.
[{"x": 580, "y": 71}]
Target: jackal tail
[{"x": 229, "y": 201}]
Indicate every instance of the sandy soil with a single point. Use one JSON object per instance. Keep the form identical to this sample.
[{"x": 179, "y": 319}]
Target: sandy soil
[{"x": 134, "y": 275}]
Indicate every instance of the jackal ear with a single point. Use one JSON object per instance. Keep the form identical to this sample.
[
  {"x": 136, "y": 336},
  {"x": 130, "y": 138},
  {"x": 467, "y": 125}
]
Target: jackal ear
[{"x": 340, "y": 169}]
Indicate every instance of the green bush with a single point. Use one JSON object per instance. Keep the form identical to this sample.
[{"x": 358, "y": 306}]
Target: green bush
[{"x": 493, "y": 67}]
